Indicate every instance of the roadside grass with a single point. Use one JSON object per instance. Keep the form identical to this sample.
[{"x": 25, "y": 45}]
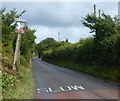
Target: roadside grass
[
  {"x": 25, "y": 90},
  {"x": 20, "y": 86},
  {"x": 0, "y": 71},
  {"x": 107, "y": 73}
]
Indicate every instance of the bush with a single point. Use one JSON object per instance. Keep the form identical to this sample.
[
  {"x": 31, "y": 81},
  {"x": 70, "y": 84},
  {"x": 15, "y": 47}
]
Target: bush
[
  {"x": 60, "y": 53},
  {"x": 105, "y": 52},
  {"x": 85, "y": 50},
  {"x": 110, "y": 51},
  {"x": 24, "y": 62}
]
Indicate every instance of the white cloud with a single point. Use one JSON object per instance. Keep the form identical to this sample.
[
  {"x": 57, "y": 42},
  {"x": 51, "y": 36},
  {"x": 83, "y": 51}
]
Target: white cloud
[
  {"x": 73, "y": 34},
  {"x": 59, "y": 0},
  {"x": 49, "y": 18}
]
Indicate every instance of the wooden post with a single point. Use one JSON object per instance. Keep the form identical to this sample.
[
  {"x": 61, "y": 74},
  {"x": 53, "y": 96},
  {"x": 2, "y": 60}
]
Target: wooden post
[
  {"x": 99, "y": 12},
  {"x": 119, "y": 9},
  {"x": 58, "y": 37},
  {"x": 17, "y": 50},
  {"x": 95, "y": 18},
  {"x": 94, "y": 10},
  {"x": 20, "y": 31}
]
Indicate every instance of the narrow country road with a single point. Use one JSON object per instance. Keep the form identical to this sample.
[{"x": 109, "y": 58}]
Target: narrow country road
[{"x": 54, "y": 82}]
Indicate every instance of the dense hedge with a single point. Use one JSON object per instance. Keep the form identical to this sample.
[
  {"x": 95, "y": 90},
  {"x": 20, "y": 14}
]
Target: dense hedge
[
  {"x": 101, "y": 49},
  {"x": 86, "y": 51},
  {"x": 110, "y": 51}
]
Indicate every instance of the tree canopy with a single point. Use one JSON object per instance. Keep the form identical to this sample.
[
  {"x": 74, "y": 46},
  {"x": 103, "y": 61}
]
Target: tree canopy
[
  {"x": 103, "y": 26},
  {"x": 9, "y": 36}
]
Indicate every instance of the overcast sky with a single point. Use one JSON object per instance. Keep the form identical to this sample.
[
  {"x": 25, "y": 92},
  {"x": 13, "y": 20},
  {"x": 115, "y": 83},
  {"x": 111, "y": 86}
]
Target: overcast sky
[{"x": 49, "y": 18}]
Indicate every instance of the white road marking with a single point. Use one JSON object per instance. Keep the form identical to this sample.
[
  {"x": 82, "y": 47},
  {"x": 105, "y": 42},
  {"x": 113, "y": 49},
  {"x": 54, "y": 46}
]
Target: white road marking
[
  {"x": 63, "y": 88},
  {"x": 77, "y": 87},
  {"x": 50, "y": 90},
  {"x": 60, "y": 89},
  {"x": 42, "y": 90}
]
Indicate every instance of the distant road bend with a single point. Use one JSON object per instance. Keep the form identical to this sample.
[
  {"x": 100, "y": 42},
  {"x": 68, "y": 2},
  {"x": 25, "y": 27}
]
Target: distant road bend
[{"x": 54, "y": 82}]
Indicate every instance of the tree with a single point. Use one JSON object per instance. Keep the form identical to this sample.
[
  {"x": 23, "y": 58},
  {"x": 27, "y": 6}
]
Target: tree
[
  {"x": 46, "y": 44},
  {"x": 8, "y": 34},
  {"x": 103, "y": 26},
  {"x": 107, "y": 30},
  {"x": 28, "y": 43}
]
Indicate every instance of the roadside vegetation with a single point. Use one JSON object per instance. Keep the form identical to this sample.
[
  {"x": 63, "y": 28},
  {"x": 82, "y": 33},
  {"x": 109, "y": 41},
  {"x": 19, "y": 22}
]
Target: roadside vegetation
[
  {"x": 98, "y": 55},
  {"x": 20, "y": 84},
  {"x": 103, "y": 72}
]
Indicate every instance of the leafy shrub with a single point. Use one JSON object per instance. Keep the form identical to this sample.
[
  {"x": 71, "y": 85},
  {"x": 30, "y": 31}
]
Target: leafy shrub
[
  {"x": 85, "y": 50},
  {"x": 8, "y": 80},
  {"x": 24, "y": 62},
  {"x": 110, "y": 51}
]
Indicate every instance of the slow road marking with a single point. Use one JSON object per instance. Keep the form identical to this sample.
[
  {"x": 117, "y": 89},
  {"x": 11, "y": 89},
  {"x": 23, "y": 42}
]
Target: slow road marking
[{"x": 60, "y": 89}]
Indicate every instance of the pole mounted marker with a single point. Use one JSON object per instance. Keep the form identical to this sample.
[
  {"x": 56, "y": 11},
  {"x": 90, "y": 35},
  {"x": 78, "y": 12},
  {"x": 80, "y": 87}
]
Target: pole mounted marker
[{"x": 20, "y": 30}]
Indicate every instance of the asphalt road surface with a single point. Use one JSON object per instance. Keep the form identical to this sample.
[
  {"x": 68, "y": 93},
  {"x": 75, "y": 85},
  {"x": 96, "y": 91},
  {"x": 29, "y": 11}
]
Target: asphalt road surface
[{"x": 54, "y": 82}]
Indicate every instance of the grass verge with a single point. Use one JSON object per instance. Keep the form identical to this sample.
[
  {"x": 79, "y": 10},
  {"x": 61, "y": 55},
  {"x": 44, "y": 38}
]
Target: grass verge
[
  {"x": 107, "y": 73},
  {"x": 20, "y": 86}
]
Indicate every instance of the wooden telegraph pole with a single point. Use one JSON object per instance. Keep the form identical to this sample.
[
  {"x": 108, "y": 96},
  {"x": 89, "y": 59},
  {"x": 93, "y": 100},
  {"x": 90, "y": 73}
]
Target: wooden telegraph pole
[
  {"x": 16, "y": 55},
  {"x": 99, "y": 12},
  {"x": 119, "y": 9},
  {"x": 94, "y": 10},
  {"x": 17, "y": 49},
  {"x": 58, "y": 37}
]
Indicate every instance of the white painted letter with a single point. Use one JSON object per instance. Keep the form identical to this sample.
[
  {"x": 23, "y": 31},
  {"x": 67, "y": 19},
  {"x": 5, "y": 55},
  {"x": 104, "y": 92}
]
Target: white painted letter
[
  {"x": 54, "y": 91},
  {"x": 77, "y": 87},
  {"x": 65, "y": 89},
  {"x": 40, "y": 90},
  {"x": 50, "y": 89}
]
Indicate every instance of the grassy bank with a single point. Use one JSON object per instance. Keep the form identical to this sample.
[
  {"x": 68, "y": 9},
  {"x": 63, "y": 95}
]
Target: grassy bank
[
  {"x": 16, "y": 86},
  {"x": 20, "y": 86},
  {"x": 106, "y": 73}
]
